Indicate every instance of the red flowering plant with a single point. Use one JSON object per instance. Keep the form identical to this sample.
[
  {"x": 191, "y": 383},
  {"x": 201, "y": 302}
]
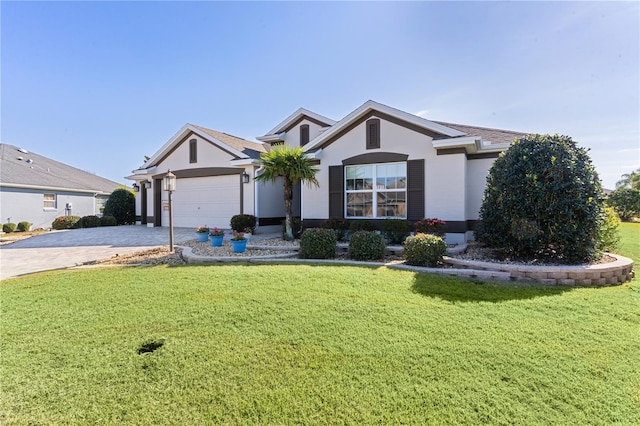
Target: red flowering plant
[
  {"x": 430, "y": 226},
  {"x": 238, "y": 236},
  {"x": 216, "y": 232}
]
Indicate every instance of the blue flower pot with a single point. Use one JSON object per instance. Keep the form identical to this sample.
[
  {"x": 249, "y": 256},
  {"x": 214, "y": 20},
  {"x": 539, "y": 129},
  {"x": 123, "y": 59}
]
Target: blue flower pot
[
  {"x": 239, "y": 246},
  {"x": 216, "y": 241},
  {"x": 202, "y": 237}
]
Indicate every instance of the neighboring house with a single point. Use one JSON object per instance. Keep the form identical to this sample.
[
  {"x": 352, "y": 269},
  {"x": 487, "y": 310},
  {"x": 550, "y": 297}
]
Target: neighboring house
[
  {"x": 377, "y": 162},
  {"x": 38, "y": 189}
]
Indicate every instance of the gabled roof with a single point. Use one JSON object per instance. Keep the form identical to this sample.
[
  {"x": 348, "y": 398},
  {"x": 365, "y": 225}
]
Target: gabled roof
[
  {"x": 489, "y": 135},
  {"x": 371, "y": 106},
  {"x": 21, "y": 168},
  {"x": 237, "y": 147},
  {"x": 298, "y": 115}
]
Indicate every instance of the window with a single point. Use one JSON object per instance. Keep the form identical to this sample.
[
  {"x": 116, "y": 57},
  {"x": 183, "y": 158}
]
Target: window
[
  {"x": 376, "y": 190},
  {"x": 49, "y": 201},
  {"x": 193, "y": 151},
  {"x": 373, "y": 133},
  {"x": 304, "y": 134}
]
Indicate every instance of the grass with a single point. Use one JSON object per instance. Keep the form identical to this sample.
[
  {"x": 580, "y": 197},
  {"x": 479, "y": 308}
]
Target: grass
[{"x": 315, "y": 345}]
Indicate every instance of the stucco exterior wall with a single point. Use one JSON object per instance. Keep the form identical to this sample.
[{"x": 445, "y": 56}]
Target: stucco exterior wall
[
  {"x": 445, "y": 186},
  {"x": 270, "y": 199},
  {"x": 209, "y": 155},
  {"x": 292, "y": 137},
  {"x": 18, "y": 204},
  {"x": 478, "y": 170}
]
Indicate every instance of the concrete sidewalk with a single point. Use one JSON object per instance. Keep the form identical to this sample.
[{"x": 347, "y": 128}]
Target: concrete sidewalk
[{"x": 64, "y": 249}]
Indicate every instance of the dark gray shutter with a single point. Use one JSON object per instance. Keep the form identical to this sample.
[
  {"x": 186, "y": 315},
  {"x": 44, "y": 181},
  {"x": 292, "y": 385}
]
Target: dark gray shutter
[
  {"x": 373, "y": 133},
  {"x": 304, "y": 134},
  {"x": 336, "y": 192},
  {"x": 415, "y": 189}
]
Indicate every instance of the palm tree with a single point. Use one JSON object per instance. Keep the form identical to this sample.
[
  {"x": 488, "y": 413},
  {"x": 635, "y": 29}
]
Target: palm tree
[
  {"x": 292, "y": 164},
  {"x": 630, "y": 180}
]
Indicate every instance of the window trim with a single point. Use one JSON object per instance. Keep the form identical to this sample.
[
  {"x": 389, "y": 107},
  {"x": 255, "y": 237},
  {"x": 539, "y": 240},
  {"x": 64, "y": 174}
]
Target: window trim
[
  {"x": 193, "y": 150},
  {"x": 45, "y": 201},
  {"x": 374, "y": 191}
]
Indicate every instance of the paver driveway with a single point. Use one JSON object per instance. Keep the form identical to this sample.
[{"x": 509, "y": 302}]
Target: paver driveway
[{"x": 63, "y": 249}]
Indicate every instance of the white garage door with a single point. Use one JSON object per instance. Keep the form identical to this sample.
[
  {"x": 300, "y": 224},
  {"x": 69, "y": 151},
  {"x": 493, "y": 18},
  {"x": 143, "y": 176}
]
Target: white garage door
[{"x": 205, "y": 201}]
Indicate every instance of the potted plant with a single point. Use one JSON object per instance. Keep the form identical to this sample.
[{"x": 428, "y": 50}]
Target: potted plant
[
  {"x": 216, "y": 235},
  {"x": 202, "y": 232},
  {"x": 239, "y": 242},
  {"x": 248, "y": 233}
]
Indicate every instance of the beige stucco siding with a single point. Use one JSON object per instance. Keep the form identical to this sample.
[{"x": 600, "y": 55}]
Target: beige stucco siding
[
  {"x": 478, "y": 170},
  {"x": 209, "y": 155},
  {"x": 445, "y": 187},
  {"x": 292, "y": 137}
]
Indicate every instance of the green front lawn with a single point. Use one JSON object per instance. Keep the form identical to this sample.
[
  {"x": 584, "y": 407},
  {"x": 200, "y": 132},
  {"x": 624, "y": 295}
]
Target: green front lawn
[{"x": 315, "y": 345}]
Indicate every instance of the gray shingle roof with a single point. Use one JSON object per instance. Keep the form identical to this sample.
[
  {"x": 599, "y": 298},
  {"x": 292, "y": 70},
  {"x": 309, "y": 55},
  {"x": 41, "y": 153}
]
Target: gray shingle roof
[
  {"x": 488, "y": 134},
  {"x": 252, "y": 149},
  {"x": 20, "y": 168}
]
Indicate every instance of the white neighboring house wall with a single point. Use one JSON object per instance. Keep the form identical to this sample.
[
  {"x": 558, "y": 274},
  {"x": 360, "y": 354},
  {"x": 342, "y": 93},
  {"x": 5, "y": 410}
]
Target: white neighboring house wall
[{"x": 25, "y": 204}]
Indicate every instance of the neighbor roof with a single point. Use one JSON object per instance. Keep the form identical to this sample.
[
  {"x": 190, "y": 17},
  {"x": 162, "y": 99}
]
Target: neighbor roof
[
  {"x": 22, "y": 168},
  {"x": 494, "y": 136}
]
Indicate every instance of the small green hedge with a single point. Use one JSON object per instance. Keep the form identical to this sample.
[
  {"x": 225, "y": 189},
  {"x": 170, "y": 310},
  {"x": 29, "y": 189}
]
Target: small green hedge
[
  {"x": 424, "y": 250},
  {"x": 318, "y": 243},
  {"x": 108, "y": 221},
  {"x": 24, "y": 226},
  {"x": 9, "y": 227},
  {"x": 362, "y": 225},
  {"x": 608, "y": 235},
  {"x": 366, "y": 245},
  {"x": 396, "y": 230},
  {"x": 90, "y": 222},
  {"x": 240, "y": 222},
  {"x": 65, "y": 222},
  {"x": 340, "y": 227}
]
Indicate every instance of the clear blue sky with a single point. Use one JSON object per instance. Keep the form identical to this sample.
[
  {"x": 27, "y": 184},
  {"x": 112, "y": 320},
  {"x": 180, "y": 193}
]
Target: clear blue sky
[{"x": 99, "y": 85}]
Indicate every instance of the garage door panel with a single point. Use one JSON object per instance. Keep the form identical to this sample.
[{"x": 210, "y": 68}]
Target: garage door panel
[{"x": 208, "y": 201}]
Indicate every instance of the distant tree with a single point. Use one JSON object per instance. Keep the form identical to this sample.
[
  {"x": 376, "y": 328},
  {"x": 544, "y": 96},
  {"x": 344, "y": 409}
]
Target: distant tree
[
  {"x": 630, "y": 180},
  {"x": 292, "y": 164},
  {"x": 626, "y": 202}
]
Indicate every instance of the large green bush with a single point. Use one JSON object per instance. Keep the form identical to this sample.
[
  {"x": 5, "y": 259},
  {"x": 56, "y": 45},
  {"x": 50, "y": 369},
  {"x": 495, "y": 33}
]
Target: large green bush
[
  {"x": 241, "y": 222},
  {"x": 366, "y": 245},
  {"x": 340, "y": 226},
  {"x": 65, "y": 222},
  {"x": 90, "y": 222},
  {"x": 395, "y": 230},
  {"x": 9, "y": 227},
  {"x": 318, "y": 243},
  {"x": 24, "y": 226},
  {"x": 543, "y": 200},
  {"x": 626, "y": 202},
  {"x": 121, "y": 205},
  {"x": 424, "y": 250}
]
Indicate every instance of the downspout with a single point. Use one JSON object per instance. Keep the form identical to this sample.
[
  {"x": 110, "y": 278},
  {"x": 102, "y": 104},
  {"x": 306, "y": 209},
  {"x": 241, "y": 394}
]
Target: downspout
[{"x": 255, "y": 195}]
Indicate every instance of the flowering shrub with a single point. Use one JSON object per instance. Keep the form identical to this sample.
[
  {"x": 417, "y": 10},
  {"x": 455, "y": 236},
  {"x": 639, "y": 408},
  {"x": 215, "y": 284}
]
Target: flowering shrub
[
  {"x": 430, "y": 226},
  {"x": 216, "y": 232},
  {"x": 202, "y": 229},
  {"x": 238, "y": 236}
]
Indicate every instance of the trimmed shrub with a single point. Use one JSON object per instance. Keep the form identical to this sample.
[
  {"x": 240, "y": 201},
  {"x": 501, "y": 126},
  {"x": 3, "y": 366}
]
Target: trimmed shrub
[
  {"x": 90, "y": 222},
  {"x": 396, "y": 230},
  {"x": 362, "y": 225},
  {"x": 430, "y": 226},
  {"x": 340, "y": 226},
  {"x": 296, "y": 228},
  {"x": 424, "y": 250},
  {"x": 65, "y": 222},
  {"x": 240, "y": 222},
  {"x": 318, "y": 243},
  {"x": 543, "y": 200},
  {"x": 608, "y": 235},
  {"x": 626, "y": 202},
  {"x": 121, "y": 205},
  {"x": 366, "y": 245},
  {"x": 9, "y": 227},
  {"x": 24, "y": 226},
  {"x": 108, "y": 221}
]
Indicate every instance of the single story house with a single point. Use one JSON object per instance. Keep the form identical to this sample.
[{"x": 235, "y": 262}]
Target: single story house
[
  {"x": 38, "y": 189},
  {"x": 377, "y": 162}
]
